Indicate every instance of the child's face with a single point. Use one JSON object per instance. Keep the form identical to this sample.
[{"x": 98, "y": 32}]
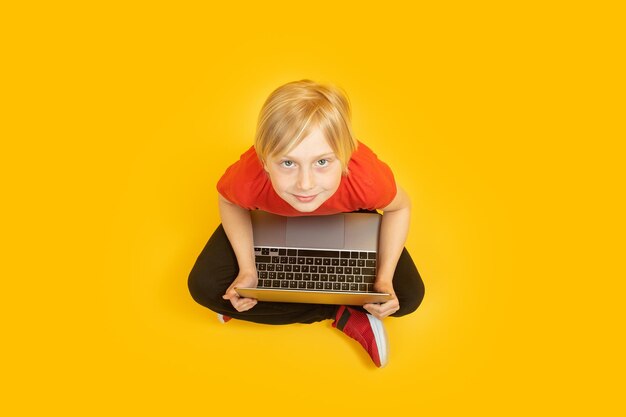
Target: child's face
[{"x": 307, "y": 175}]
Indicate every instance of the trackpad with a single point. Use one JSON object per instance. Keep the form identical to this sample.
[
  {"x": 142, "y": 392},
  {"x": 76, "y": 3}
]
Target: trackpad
[{"x": 316, "y": 232}]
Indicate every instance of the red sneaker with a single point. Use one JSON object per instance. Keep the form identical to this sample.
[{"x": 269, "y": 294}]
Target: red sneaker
[
  {"x": 223, "y": 319},
  {"x": 365, "y": 329}
]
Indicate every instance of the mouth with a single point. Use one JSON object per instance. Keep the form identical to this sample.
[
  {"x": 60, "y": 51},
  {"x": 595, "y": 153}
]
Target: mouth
[{"x": 305, "y": 198}]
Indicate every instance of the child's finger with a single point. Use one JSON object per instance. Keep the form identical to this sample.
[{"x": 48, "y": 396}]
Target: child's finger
[
  {"x": 230, "y": 294},
  {"x": 243, "y": 304}
]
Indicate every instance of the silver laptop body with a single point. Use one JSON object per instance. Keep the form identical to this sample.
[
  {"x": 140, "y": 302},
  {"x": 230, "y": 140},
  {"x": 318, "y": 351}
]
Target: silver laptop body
[{"x": 315, "y": 259}]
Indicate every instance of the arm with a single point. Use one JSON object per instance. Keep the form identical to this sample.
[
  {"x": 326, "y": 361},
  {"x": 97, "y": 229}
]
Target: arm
[
  {"x": 394, "y": 229},
  {"x": 238, "y": 228}
]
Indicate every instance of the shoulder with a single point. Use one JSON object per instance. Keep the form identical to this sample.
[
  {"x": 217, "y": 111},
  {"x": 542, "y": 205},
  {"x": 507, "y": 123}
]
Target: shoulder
[
  {"x": 370, "y": 178},
  {"x": 364, "y": 165},
  {"x": 242, "y": 179}
]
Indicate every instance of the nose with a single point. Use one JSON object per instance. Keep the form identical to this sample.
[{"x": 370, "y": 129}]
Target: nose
[{"x": 305, "y": 180}]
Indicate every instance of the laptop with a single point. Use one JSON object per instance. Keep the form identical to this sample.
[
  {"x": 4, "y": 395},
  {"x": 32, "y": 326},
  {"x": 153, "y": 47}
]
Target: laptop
[{"x": 316, "y": 259}]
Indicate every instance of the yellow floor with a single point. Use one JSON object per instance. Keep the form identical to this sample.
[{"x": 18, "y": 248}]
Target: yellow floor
[{"x": 504, "y": 124}]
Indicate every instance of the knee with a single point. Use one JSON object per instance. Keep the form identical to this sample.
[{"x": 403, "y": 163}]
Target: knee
[
  {"x": 409, "y": 305},
  {"x": 204, "y": 289},
  {"x": 409, "y": 302}
]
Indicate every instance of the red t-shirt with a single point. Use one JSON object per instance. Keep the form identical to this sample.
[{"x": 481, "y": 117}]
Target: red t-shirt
[{"x": 369, "y": 185}]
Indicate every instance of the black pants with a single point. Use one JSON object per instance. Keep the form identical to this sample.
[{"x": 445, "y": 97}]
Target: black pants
[{"x": 216, "y": 268}]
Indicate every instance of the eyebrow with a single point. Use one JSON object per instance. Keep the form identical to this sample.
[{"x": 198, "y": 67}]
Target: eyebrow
[{"x": 316, "y": 158}]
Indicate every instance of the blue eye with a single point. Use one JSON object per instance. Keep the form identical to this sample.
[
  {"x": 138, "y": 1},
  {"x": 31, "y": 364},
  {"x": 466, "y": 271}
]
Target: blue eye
[
  {"x": 322, "y": 162},
  {"x": 287, "y": 164}
]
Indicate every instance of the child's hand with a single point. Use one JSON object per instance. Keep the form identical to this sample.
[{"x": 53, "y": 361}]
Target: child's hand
[
  {"x": 245, "y": 279},
  {"x": 380, "y": 311}
]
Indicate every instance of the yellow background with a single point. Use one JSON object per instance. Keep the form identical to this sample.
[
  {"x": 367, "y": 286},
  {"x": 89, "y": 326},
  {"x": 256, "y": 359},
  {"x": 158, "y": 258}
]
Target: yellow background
[{"x": 503, "y": 120}]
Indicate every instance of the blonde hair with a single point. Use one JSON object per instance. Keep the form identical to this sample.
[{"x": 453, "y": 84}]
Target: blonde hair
[{"x": 295, "y": 109}]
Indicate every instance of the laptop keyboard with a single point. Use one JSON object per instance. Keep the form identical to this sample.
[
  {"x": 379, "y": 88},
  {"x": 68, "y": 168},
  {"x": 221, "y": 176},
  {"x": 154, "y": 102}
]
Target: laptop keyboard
[{"x": 315, "y": 270}]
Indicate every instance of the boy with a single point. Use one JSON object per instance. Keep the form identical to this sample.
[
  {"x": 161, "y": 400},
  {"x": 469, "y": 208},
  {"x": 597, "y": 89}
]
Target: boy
[{"x": 306, "y": 161}]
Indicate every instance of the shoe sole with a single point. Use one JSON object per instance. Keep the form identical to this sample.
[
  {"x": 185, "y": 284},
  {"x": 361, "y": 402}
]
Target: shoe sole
[{"x": 380, "y": 336}]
